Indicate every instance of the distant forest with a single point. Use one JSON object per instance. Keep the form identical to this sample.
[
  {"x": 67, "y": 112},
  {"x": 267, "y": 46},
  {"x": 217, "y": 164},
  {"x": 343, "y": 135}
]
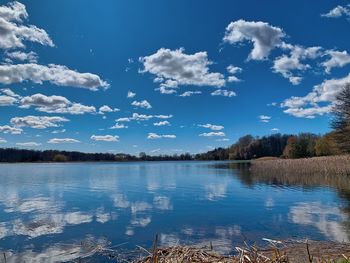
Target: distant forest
[{"x": 303, "y": 145}]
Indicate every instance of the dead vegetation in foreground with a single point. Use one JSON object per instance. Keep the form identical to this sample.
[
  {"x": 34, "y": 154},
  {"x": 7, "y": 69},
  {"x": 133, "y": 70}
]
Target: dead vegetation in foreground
[
  {"x": 291, "y": 251},
  {"x": 276, "y": 252}
]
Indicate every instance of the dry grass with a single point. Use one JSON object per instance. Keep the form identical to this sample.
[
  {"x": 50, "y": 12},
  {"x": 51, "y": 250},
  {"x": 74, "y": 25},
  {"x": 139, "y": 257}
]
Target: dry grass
[
  {"x": 277, "y": 252},
  {"x": 330, "y": 166}
]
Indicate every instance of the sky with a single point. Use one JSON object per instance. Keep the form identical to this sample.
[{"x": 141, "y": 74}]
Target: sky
[{"x": 167, "y": 77}]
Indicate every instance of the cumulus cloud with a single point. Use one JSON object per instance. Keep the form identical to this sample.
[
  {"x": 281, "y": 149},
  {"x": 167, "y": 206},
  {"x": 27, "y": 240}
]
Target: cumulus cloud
[
  {"x": 105, "y": 138},
  {"x": 338, "y": 11},
  {"x": 161, "y": 123},
  {"x": 105, "y": 108},
  {"x": 11, "y": 130},
  {"x": 37, "y": 122},
  {"x": 212, "y": 127},
  {"x": 212, "y": 134},
  {"x": 318, "y": 102},
  {"x": 55, "y": 104},
  {"x": 28, "y": 144},
  {"x": 337, "y": 59},
  {"x": 7, "y": 100},
  {"x": 55, "y": 74},
  {"x": 62, "y": 140},
  {"x": 10, "y": 93},
  {"x": 12, "y": 31},
  {"x": 286, "y": 65},
  {"x": 142, "y": 104},
  {"x": 2, "y": 140},
  {"x": 130, "y": 94},
  {"x": 173, "y": 68},
  {"x": 21, "y": 56},
  {"x": 153, "y": 136},
  {"x": 190, "y": 93},
  {"x": 263, "y": 36},
  {"x": 223, "y": 92},
  {"x": 264, "y": 118},
  {"x": 233, "y": 70}
]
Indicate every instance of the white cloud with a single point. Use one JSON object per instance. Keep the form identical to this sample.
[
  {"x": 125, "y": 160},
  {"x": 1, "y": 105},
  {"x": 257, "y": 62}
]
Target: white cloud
[
  {"x": 233, "y": 70},
  {"x": 337, "y": 59},
  {"x": 165, "y": 90},
  {"x": 105, "y": 138},
  {"x": 314, "y": 102},
  {"x": 59, "y": 131},
  {"x": 174, "y": 68},
  {"x": 264, "y": 36},
  {"x": 41, "y": 100},
  {"x": 28, "y": 144},
  {"x": 286, "y": 65},
  {"x": 123, "y": 119},
  {"x": 275, "y": 130},
  {"x": 14, "y": 33},
  {"x": 37, "y": 122},
  {"x": 7, "y": 100},
  {"x": 55, "y": 104},
  {"x": 22, "y": 56},
  {"x": 161, "y": 123},
  {"x": 119, "y": 126},
  {"x": 338, "y": 11},
  {"x": 155, "y": 150},
  {"x": 130, "y": 94},
  {"x": 105, "y": 108},
  {"x": 163, "y": 116},
  {"x": 10, "y": 93},
  {"x": 11, "y": 130},
  {"x": 141, "y": 117},
  {"x": 62, "y": 140},
  {"x": 14, "y": 11},
  {"x": 264, "y": 118},
  {"x": 223, "y": 92},
  {"x": 2, "y": 140},
  {"x": 153, "y": 136},
  {"x": 142, "y": 104},
  {"x": 190, "y": 93},
  {"x": 212, "y": 127},
  {"x": 212, "y": 134},
  {"x": 55, "y": 74}
]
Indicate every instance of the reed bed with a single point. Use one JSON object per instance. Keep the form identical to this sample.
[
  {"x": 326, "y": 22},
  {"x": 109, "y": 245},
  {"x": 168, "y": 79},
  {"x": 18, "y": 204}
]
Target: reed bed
[{"x": 323, "y": 166}]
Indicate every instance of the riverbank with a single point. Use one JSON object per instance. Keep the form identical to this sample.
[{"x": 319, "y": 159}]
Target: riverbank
[
  {"x": 276, "y": 252},
  {"x": 327, "y": 165}
]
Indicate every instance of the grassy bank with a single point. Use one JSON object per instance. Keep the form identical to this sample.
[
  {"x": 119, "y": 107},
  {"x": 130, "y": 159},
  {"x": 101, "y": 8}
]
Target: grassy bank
[{"x": 327, "y": 166}]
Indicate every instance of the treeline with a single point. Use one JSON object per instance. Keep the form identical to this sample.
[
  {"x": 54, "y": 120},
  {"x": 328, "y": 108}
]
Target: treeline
[{"x": 23, "y": 155}]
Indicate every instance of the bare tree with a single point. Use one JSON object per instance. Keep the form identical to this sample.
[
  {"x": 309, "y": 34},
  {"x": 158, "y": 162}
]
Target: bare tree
[{"x": 341, "y": 121}]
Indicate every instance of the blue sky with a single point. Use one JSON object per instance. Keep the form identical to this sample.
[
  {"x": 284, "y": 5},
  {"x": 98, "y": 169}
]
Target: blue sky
[{"x": 201, "y": 73}]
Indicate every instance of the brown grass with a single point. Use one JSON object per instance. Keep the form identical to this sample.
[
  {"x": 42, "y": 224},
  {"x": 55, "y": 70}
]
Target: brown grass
[
  {"x": 326, "y": 166},
  {"x": 277, "y": 252}
]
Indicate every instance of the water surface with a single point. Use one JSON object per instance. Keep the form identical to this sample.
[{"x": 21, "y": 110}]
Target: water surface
[{"x": 47, "y": 208}]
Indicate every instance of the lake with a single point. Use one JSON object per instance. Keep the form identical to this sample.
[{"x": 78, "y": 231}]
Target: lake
[{"x": 49, "y": 210}]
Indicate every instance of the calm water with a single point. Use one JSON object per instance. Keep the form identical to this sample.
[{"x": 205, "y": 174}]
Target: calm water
[{"x": 47, "y": 210}]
